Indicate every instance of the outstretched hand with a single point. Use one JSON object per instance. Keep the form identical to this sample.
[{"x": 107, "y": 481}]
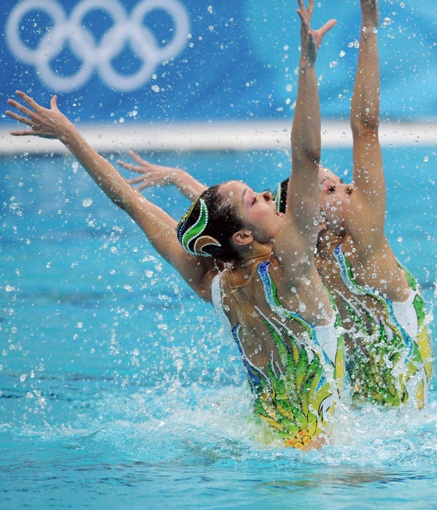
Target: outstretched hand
[
  {"x": 311, "y": 40},
  {"x": 43, "y": 122},
  {"x": 151, "y": 175}
]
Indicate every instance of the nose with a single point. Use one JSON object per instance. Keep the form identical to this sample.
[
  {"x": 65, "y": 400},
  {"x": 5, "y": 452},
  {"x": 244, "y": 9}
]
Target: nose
[{"x": 267, "y": 194}]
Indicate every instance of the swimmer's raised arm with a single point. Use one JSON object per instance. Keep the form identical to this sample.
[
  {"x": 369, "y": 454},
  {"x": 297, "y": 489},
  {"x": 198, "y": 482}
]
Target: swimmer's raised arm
[
  {"x": 369, "y": 196},
  {"x": 155, "y": 223},
  {"x": 159, "y": 175},
  {"x": 302, "y": 210}
]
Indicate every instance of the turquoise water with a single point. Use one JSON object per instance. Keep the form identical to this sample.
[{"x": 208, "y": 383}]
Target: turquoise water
[{"x": 118, "y": 389}]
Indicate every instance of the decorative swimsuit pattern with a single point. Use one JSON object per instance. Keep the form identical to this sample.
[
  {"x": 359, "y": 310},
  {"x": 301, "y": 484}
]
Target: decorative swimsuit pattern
[
  {"x": 387, "y": 364},
  {"x": 297, "y": 396}
]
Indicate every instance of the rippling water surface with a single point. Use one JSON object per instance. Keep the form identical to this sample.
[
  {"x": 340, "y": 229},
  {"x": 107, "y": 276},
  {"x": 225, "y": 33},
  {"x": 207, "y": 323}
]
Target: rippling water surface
[{"x": 118, "y": 389}]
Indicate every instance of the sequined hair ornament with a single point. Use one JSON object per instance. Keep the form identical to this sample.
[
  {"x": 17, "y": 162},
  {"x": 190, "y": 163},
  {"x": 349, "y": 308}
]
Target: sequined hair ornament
[{"x": 192, "y": 239}]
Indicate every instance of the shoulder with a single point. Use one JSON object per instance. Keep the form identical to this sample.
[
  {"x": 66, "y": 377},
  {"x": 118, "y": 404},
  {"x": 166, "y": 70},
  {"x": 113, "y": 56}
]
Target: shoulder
[{"x": 208, "y": 285}]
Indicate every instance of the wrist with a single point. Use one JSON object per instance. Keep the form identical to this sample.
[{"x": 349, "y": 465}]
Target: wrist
[
  {"x": 309, "y": 54},
  {"x": 306, "y": 65},
  {"x": 175, "y": 176},
  {"x": 369, "y": 28},
  {"x": 66, "y": 132}
]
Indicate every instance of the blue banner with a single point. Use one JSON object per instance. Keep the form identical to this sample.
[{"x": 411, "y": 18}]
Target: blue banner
[{"x": 173, "y": 60}]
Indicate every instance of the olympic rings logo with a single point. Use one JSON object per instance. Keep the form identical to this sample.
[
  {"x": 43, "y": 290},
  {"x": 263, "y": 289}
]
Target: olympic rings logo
[{"x": 126, "y": 30}]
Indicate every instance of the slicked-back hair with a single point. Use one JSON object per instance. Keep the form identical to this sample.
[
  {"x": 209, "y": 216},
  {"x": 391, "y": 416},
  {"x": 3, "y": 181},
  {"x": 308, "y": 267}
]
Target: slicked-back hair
[{"x": 223, "y": 222}]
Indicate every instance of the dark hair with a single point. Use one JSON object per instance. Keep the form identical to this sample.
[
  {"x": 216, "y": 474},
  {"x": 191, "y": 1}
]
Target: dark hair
[{"x": 222, "y": 222}]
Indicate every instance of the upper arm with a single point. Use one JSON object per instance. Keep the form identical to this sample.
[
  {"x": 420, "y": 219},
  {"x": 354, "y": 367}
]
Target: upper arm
[
  {"x": 296, "y": 240},
  {"x": 366, "y": 217},
  {"x": 160, "y": 228}
]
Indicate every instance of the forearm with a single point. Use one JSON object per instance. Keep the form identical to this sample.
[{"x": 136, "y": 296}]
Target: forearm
[
  {"x": 103, "y": 173},
  {"x": 365, "y": 104},
  {"x": 306, "y": 129},
  {"x": 186, "y": 184}
]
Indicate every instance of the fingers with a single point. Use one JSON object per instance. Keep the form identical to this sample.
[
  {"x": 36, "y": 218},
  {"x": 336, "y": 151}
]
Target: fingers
[
  {"x": 135, "y": 181},
  {"x": 305, "y": 13},
  {"x": 131, "y": 167},
  {"x": 311, "y": 7},
  {"x": 327, "y": 26},
  {"x": 28, "y": 121},
  {"x": 15, "y": 116},
  {"x": 144, "y": 165},
  {"x": 124, "y": 164},
  {"x": 21, "y": 108},
  {"x": 25, "y": 132},
  {"x": 135, "y": 156},
  {"x": 301, "y": 11},
  {"x": 320, "y": 33},
  {"x": 54, "y": 103},
  {"x": 33, "y": 104},
  {"x": 143, "y": 186}
]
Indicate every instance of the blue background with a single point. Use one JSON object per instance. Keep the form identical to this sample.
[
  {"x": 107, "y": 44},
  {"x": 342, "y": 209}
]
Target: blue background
[{"x": 239, "y": 62}]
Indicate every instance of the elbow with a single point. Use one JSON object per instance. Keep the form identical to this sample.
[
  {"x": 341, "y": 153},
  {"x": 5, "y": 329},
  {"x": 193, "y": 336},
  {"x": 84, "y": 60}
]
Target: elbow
[
  {"x": 119, "y": 204},
  {"x": 368, "y": 133},
  {"x": 365, "y": 126},
  {"x": 306, "y": 155},
  {"x": 118, "y": 200},
  {"x": 313, "y": 155},
  {"x": 306, "y": 149}
]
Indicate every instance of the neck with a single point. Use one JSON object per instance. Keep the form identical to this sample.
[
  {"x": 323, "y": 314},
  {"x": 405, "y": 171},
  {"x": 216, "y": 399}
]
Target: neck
[
  {"x": 326, "y": 242},
  {"x": 251, "y": 257}
]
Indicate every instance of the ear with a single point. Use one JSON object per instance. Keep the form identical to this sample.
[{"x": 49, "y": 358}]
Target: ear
[{"x": 242, "y": 237}]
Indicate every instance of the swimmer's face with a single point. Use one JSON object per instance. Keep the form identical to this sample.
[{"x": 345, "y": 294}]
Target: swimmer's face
[
  {"x": 257, "y": 210},
  {"x": 334, "y": 199}
]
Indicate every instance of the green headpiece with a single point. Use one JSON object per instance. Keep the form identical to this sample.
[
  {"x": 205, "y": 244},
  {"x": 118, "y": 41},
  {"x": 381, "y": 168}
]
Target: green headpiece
[{"x": 192, "y": 239}]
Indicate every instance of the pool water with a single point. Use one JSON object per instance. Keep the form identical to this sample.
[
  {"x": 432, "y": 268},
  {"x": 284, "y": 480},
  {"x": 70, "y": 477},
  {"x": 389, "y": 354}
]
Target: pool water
[{"x": 119, "y": 390}]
